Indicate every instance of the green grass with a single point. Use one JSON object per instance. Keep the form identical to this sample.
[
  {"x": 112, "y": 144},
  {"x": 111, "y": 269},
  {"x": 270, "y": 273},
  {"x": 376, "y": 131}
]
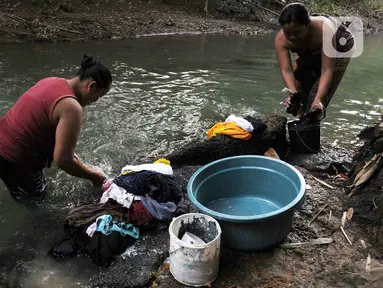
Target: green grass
[
  {"x": 326, "y": 7},
  {"x": 337, "y": 7},
  {"x": 371, "y": 5}
]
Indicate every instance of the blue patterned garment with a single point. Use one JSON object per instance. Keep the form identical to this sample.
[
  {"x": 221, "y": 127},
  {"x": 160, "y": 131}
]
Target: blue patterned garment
[{"x": 106, "y": 225}]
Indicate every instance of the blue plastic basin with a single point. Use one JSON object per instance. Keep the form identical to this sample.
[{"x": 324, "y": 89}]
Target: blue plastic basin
[{"x": 252, "y": 197}]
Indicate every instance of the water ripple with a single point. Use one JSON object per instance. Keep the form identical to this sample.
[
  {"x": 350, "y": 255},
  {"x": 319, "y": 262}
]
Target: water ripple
[{"x": 165, "y": 94}]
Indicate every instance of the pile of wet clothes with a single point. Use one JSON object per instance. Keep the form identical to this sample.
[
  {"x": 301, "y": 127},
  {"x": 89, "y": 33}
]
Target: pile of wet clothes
[
  {"x": 237, "y": 127},
  {"x": 140, "y": 198}
]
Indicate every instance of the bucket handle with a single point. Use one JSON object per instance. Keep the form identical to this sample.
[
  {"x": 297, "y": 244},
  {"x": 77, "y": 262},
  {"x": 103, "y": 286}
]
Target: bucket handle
[
  {"x": 175, "y": 251},
  {"x": 305, "y": 143},
  {"x": 178, "y": 249}
]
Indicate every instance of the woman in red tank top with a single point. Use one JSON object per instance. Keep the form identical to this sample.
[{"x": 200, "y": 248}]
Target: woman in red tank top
[{"x": 44, "y": 125}]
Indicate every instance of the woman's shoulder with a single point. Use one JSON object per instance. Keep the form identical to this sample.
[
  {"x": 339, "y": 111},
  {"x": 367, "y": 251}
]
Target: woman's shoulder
[
  {"x": 49, "y": 82},
  {"x": 281, "y": 40},
  {"x": 322, "y": 22},
  {"x": 52, "y": 79}
]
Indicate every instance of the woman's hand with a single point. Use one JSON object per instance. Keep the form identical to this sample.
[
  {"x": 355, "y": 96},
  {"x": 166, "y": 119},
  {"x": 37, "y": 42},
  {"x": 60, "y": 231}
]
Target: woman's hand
[
  {"x": 99, "y": 176},
  {"x": 99, "y": 179},
  {"x": 317, "y": 104},
  {"x": 293, "y": 103},
  {"x": 76, "y": 157},
  {"x": 316, "y": 113},
  {"x": 281, "y": 47},
  {"x": 288, "y": 100}
]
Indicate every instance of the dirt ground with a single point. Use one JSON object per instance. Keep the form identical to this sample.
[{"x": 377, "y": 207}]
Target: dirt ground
[
  {"x": 85, "y": 20},
  {"x": 367, "y": 195},
  {"x": 82, "y": 20},
  {"x": 338, "y": 264}
]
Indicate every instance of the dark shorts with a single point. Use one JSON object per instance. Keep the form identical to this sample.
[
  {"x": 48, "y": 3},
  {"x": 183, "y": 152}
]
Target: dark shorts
[{"x": 22, "y": 181}]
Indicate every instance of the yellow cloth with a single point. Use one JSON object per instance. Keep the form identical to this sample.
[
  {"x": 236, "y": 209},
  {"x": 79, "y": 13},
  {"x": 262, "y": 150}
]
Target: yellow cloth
[
  {"x": 228, "y": 128},
  {"x": 162, "y": 160}
]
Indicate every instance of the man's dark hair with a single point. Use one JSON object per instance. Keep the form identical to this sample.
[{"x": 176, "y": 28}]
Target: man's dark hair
[{"x": 294, "y": 13}]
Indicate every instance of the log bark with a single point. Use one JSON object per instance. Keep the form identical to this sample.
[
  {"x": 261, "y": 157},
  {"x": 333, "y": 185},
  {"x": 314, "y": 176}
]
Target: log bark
[{"x": 222, "y": 146}]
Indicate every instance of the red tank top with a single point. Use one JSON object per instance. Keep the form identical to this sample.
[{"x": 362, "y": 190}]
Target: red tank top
[{"x": 27, "y": 131}]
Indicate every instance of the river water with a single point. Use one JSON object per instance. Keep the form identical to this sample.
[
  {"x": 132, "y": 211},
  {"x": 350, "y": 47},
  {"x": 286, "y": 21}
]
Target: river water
[{"x": 165, "y": 92}]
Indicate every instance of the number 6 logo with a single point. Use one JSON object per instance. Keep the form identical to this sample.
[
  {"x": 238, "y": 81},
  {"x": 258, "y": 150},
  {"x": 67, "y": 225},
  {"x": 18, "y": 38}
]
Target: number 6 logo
[{"x": 343, "y": 37}]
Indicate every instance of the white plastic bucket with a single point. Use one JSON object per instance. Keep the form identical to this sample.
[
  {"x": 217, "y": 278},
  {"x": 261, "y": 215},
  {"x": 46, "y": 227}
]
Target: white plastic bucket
[{"x": 195, "y": 265}]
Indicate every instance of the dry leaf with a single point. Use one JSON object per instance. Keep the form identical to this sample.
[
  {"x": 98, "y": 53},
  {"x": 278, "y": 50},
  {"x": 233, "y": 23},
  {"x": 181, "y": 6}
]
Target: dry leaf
[
  {"x": 341, "y": 177},
  {"x": 368, "y": 263},
  {"x": 319, "y": 241},
  {"x": 165, "y": 267},
  {"x": 366, "y": 172},
  {"x": 316, "y": 215},
  {"x": 345, "y": 235},
  {"x": 271, "y": 153},
  {"x": 323, "y": 183},
  {"x": 350, "y": 212},
  {"x": 344, "y": 219}
]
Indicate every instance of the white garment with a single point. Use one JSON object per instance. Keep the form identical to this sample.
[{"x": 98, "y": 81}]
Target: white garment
[
  {"x": 286, "y": 90},
  {"x": 120, "y": 195},
  {"x": 91, "y": 229},
  {"x": 241, "y": 122},
  {"x": 155, "y": 167}
]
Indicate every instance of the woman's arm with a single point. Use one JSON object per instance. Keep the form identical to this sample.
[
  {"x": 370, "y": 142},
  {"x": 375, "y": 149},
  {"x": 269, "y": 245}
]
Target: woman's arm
[
  {"x": 69, "y": 114},
  {"x": 325, "y": 79},
  {"x": 76, "y": 157},
  {"x": 328, "y": 64},
  {"x": 284, "y": 60}
]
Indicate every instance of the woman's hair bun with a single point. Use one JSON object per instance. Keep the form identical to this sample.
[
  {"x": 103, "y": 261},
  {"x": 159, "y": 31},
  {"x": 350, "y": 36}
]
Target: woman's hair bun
[
  {"x": 87, "y": 61},
  {"x": 92, "y": 69}
]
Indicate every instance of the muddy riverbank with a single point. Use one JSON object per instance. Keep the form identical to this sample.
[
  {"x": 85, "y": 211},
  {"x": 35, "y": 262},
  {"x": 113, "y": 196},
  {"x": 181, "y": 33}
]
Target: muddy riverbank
[
  {"x": 86, "y": 20},
  {"x": 338, "y": 264},
  {"x": 353, "y": 259},
  {"x": 102, "y": 20},
  {"x": 341, "y": 263}
]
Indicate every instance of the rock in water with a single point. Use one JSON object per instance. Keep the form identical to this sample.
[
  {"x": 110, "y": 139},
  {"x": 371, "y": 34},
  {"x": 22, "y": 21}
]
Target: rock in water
[{"x": 221, "y": 146}]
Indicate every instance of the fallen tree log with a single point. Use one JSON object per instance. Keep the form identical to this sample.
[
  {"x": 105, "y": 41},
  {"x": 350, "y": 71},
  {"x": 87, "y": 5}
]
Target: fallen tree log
[{"x": 222, "y": 146}]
